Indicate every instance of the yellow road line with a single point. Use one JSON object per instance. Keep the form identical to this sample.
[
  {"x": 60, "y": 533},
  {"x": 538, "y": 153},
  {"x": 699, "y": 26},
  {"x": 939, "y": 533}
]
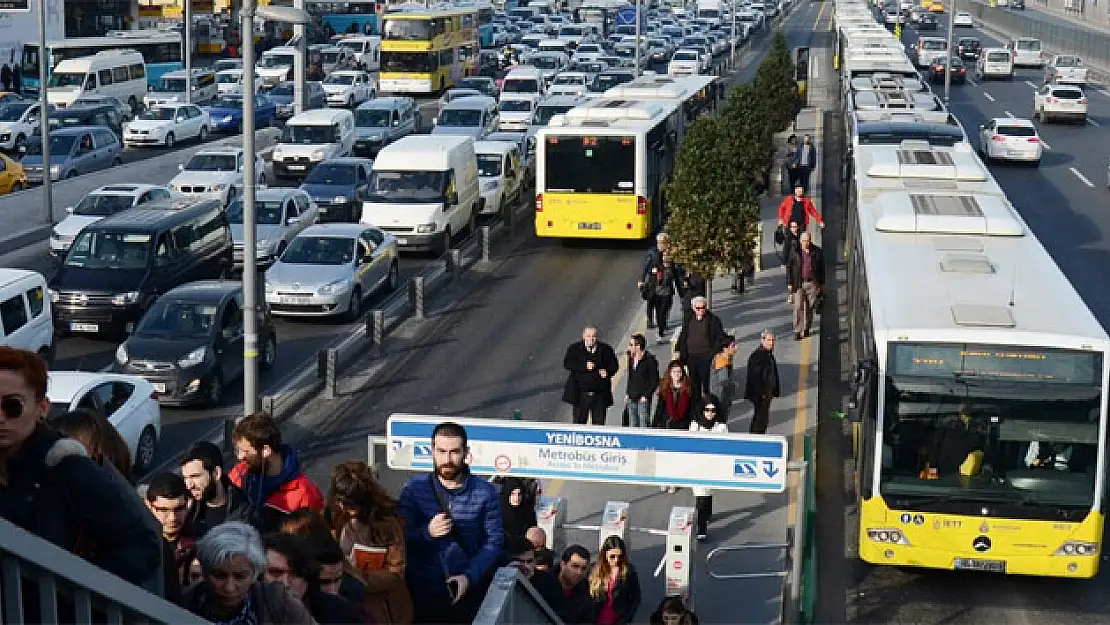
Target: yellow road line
[{"x": 824, "y": 5}]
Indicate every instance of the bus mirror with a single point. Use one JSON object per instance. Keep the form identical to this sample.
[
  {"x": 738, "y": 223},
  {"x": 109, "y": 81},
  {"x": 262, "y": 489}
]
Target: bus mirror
[{"x": 859, "y": 388}]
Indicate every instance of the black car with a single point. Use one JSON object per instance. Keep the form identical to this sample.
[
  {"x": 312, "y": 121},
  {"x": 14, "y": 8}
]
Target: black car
[
  {"x": 118, "y": 266},
  {"x": 927, "y": 21},
  {"x": 189, "y": 344},
  {"x": 105, "y": 115},
  {"x": 1017, "y": 4},
  {"x": 969, "y": 48},
  {"x": 936, "y": 70}
]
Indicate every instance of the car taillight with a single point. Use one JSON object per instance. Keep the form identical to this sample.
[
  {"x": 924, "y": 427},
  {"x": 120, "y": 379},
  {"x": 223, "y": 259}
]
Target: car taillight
[
  {"x": 539, "y": 202},
  {"x": 938, "y": 68},
  {"x": 963, "y": 70},
  {"x": 998, "y": 138},
  {"x": 641, "y": 205},
  {"x": 1034, "y": 140},
  {"x": 1082, "y": 100},
  {"x": 1051, "y": 99},
  {"x": 154, "y": 395}
]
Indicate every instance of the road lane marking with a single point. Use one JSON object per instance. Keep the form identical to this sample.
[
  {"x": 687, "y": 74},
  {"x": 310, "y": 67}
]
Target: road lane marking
[
  {"x": 1081, "y": 177},
  {"x": 1045, "y": 145},
  {"x": 1009, "y": 114},
  {"x": 988, "y": 96},
  {"x": 820, "y": 14},
  {"x": 1030, "y": 83},
  {"x": 972, "y": 82},
  {"x": 1093, "y": 122}
]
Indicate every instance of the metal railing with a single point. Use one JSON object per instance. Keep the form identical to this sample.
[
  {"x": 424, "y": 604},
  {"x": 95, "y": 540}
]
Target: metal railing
[
  {"x": 42, "y": 583},
  {"x": 511, "y": 600},
  {"x": 1092, "y": 46}
]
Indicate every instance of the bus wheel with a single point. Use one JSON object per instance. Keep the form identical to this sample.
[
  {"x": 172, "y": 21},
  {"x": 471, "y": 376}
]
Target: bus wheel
[{"x": 442, "y": 85}]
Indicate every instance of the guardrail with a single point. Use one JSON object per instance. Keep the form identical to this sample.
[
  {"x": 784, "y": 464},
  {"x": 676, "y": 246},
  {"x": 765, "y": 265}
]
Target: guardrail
[
  {"x": 42, "y": 583},
  {"x": 1092, "y": 46},
  {"x": 511, "y": 599}
]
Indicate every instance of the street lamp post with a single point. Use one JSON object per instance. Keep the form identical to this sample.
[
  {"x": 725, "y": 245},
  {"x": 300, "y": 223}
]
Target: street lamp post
[
  {"x": 637, "y": 57},
  {"x": 948, "y": 56},
  {"x": 300, "y": 56},
  {"x": 187, "y": 49},
  {"x": 44, "y": 120}
]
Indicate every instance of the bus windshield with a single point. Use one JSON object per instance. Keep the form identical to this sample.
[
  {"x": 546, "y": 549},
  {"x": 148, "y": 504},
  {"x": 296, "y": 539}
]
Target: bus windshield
[
  {"x": 590, "y": 164},
  {"x": 420, "y": 62},
  {"x": 407, "y": 29},
  {"x": 991, "y": 423}
]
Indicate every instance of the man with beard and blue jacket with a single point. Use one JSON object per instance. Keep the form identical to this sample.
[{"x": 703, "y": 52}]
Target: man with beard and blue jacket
[
  {"x": 453, "y": 533},
  {"x": 269, "y": 473}
]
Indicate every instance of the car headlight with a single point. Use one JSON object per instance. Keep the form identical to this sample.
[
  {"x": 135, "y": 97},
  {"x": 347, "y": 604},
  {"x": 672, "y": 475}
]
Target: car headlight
[
  {"x": 264, "y": 248},
  {"x": 217, "y": 187},
  {"x": 318, "y": 155},
  {"x": 339, "y": 199},
  {"x": 53, "y": 294},
  {"x": 228, "y": 119},
  {"x": 55, "y": 169},
  {"x": 335, "y": 288},
  {"x": 490, "y": 186},
  {"x": 270, "y": 288},
  {"x": 276, "y": 153},
  {"x": 193, "y": 358},
  {"x": 425, "y": 228},
  {"x": 124, "y": 299},
  {"x": 121, "y": 355}
]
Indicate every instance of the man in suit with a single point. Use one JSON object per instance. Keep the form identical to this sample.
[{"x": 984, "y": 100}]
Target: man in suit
[
  {"x": 806, "y": 274},
  {"x": 591, "y": 365},
  {"x": 763, "y": 382},
  {"x": 806, "y": 158}
]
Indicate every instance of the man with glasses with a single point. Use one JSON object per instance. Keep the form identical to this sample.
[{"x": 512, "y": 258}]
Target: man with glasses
[
  {"x": 168, "y": 498},
  {"x": 763, "y": 382},
  {"x": 702, "y": 337}
]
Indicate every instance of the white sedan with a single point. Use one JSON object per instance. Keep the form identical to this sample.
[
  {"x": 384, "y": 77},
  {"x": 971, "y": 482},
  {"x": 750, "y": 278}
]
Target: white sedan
[
  {"x": 349, "y": 88},
  {"x": 166, "y": 124},
  {"x": 1010, "y": 139},
  {"x": 962, "y": 19},
  {"x": 128, "y": 402}
]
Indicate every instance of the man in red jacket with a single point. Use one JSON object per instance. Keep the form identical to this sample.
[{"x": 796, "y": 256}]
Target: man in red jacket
[
  {"x": 269, "y": 473},
  {"x": 799, "y": 208}
]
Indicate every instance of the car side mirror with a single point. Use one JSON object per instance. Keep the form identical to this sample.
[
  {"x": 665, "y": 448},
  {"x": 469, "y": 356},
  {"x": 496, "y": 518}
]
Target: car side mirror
[
  {"x": 69, "y": 209},
  {"x": 860, "y": 388},
  {"x": 181, "y": 167},
  {"x": 453, "y": 199}
]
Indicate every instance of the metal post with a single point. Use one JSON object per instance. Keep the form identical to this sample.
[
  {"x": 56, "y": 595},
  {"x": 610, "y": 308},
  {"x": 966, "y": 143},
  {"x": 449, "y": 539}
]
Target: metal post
[
  {"x": 732, "y": 55},
  {"x": 331, "y": 373},
  {"x": 376, "y": 331},
  {"x": 454, "y": 262},
  {"x": 638, "y": 2},
  {"x": 416, "y": 297},
  {"x": 484, "y": 235},
  {"x": 948, "y": 55},
  {"x": 187, "y": 49},
  {"x": 250, "y": 252},
  {"x": 300, "y": 71},
  {"x": 44, "y": 120}
]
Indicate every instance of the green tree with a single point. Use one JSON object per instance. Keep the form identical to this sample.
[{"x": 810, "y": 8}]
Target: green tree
[
  {"x": 747, "y": 136},
  {"x": 714, "y": 212},
  {"x": 777, "y": 88}
]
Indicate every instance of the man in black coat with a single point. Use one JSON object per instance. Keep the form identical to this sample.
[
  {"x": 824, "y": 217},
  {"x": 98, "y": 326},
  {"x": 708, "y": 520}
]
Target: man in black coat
[
  {"x": 763, "y": 382},
  {"x": 215, "y": 499},
  {"x": 703, "y": 337},
  {"x": 591, "y": 365}
]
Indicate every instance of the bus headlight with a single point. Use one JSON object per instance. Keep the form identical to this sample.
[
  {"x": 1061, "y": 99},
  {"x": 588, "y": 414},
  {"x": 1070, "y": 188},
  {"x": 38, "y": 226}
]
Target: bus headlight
[
  {"x": 889, "y": 536},
  {"x": 1077, "y": 548},
  {"x": 425, "y": 228}
]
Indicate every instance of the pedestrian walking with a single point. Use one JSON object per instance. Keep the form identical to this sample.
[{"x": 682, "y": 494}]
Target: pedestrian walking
[
  {"x": 708, "y": 420},
  {"x": 215, "y": 499},
  {"x": 806, "y": 275},
  {"x": 99, "y": 437},
  {"x": 791, "y": 163},
  {"x": 577, "y": 605},
  {"x": 614, "y": 584},
  {"x": 701, "y": 338},
  {"x": 662, "y": 285},
  {"x": 799, "y": 208},
  {"x": 17, "y": 80},
  {"x": 289, "y": 562},
  {"x": 762, "y": 384},
  {"x": 453, "y": 532},
  {"x": 675, "y": 408},
  {"x": 643, "y": 381},
  {"x": 788, "y": 238},
  {"x": 692, "y": 285},
  {"x": 720, "y": 379},
  {"x": 807, "y": 161},
  {"x": 654, "y": 259},
  {"x": 591, "y": 365}
]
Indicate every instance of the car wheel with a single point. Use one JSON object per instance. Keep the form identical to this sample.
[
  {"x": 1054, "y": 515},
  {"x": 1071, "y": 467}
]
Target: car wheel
[
  {"x": 393, "y": 279},
  {"x": 354, "y": 308},
  {"x": 203, "y": 134},
  {"x": 215, "y": 388},
  {"x": 170, "y": 141},
  {"x": 269, "y": 353},
  {"x": 20, "y": 141},
  {"x": 17, "y": 186},
  {"x": 1036, "y": 163},
  {"x": 445, "y": 244},
  {"x": 71, "y": 174},
  {"x": 350, "y": 101},
  {"x": 145, "y": 451},
  {"x": 117, "y": 161}
]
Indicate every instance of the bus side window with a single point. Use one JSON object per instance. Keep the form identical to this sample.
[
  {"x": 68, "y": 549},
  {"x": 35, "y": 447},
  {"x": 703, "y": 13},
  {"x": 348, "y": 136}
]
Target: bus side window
[
  {"x": 105, "y": 76},
  {"x": 90, "y": 82}
]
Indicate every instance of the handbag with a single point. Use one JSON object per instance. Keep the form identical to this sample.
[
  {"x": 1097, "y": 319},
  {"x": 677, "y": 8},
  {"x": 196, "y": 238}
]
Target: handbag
[{"x": 780, "y": 235}]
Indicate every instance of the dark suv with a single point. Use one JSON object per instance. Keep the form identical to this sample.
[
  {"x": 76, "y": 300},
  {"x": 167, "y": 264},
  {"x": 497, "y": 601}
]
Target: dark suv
[
  {"x": 189, "y": 344},
  {"x": 969, "y": 48}
]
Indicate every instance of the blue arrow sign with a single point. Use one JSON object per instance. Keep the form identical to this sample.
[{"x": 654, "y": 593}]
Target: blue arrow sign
[
  {"x": 744, "y": 469},
  {"x": 769, "y": 468}
]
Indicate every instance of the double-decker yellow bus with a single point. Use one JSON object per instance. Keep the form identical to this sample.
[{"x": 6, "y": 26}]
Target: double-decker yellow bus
[
  {"x": 427, "y": 50},
  {"x": 601, "y": 167}
]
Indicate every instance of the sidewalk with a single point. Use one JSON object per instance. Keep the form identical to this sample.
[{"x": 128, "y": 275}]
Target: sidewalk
[{"x": 1094, "y": 15}]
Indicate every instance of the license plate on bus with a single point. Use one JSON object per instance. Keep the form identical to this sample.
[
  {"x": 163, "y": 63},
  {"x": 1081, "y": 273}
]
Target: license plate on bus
[
  {"x": 84, "y": 327},
  {"x": 589, "y": 225},
  {"x": 293, "y": 299},
  {"x": 402, "y": 241},
  {"x": 975, "y": 564},
  {"x": 159, "y": 386}
]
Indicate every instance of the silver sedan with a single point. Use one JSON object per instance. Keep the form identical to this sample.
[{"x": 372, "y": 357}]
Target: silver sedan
[{"x": 330, "y": 269}]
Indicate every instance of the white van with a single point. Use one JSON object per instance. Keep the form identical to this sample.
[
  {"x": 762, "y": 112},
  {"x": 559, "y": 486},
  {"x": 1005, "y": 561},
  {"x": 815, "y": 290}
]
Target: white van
[
  {"x": 424, "y": 190},
  {"x": 995, "y": 63},
  {"x": 171, "y": 88},
  {"x": 119, "y": 73},
  {"x": 311, "y": 137},
  {"x": 525, "y": 79},
  {"x": 367, "y": 51},
  {"x": 25, "y": 312},
  {"x": 230, "y": 82}
]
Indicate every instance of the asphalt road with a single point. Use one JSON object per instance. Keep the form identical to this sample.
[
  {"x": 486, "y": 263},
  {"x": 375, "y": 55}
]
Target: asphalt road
[{"x": 1064, "y": 202}]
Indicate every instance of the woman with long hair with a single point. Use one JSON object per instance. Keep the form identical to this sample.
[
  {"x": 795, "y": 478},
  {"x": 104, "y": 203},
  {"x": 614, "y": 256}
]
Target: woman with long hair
[
  {"x": 614, "y": 584},
  {"x": 518, "y": 507},
  {"x": 675, "y": 408},
  {"x": 708, "y": 421},
  {"x": 364, "y": 520},
  {"x": 99, "y": 437}
]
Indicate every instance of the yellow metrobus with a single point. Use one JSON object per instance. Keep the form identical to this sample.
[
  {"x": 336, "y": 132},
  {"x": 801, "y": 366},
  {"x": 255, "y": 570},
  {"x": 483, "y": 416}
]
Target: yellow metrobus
[
  {"x": 428, "y": 50},
  {"x": 601, "y": 167},
  {"x": 979, "y": 398}
]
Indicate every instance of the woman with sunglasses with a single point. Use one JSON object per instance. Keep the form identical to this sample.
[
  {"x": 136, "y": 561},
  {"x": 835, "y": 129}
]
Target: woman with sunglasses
[
  {"x": 707, "y": 421},
  {"x": 51, "y": 488},
  {"x": 365, "y": 521},
  {"x": 614, "y": 584}
]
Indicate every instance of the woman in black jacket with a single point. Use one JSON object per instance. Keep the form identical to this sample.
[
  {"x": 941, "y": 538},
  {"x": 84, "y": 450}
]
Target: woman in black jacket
[{"x": 614, "y": 584}]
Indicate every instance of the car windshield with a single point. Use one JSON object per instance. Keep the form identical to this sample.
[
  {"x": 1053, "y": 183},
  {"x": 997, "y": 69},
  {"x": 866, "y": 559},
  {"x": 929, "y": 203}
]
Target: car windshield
[
  {"x": 683, "y": 55},
  {"x": 228, "y": 79},
  {"x": 481, "y": 86},
  {"x": 307, "y": 135},
  {"x": 1030, "y": 45},
  {"x": 228, "y": 102},
  {"x": 1067, "y": 61},
  {"x": 520, "y": 85},
  {"x": 408, "y": 187},
  {"x": 461, "y": 117},
  {"x": 571, "y": 31},
  {"x": 1068, "y": 94},
  {"x": 285, "y": 88},
  {"x": 174, "y": 317},
  {"x": 109, "y": 250},
  {"x": 545, "y": 113},
  {"x": 331, "y": 58},
  {"x": 589, "y": 48},
  {"x": 354, "y": 46},
  {"x": 1017, "y": 131},
  {"x": 266, "y": 212},
  {"x": 211, "y": 162},
  {"x": 60, "y": 145},
  {"x": 319, "y": 250},
  {"x": 172, "y": 85},
  {"x": 516, "y": 106},
  {"x": 605, "y": 82},
  {"x": 12, "y": 112},
  {"x": 569, "y": 79},
  {"x": 160, "y": 114},
  {"x": 223, "y": 64},
  {"x": 277, "y": 61},
  {"x": 999, "y": 57},
  {"x": 489, "y": 165},
  {"x": 371, "y": 118},
  {"x": 339, "y": 79},
  {"x": 102, "y": 205},
  {"x": 545, "y": 62},
  {"x": 66, "y": 79},
  {"x": 332, "y": 173}
]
